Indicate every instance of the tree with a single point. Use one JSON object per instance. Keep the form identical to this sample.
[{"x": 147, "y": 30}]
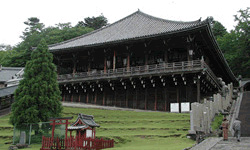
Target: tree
[
  {"x": 37, "y": 97},
  {"x": 94, "y": 22},
  {"x": 218, "y": 29},
  {"x": 236, "y": 45}
]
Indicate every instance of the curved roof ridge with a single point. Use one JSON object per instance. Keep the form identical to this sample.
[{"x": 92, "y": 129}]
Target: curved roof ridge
[
  {"x": 110, "y": 33},
  {"x": 166, "y": 20}
]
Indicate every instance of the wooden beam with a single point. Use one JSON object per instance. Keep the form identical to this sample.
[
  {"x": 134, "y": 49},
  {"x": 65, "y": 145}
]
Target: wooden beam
[
  {"x": 79, "y": 97},
  {"x": 71, "y": 97}
]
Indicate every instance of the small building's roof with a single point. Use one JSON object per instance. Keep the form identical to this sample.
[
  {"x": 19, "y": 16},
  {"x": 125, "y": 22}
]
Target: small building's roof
[
  {"x": 8, "y": 73},
  {"x": 87, "y": 120},
  {"x": 135, "y": 26},
  {"x": 7, "y": 90}
]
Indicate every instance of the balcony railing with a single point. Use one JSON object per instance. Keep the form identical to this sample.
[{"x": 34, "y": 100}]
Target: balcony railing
[{"x": 162, "y": 68}]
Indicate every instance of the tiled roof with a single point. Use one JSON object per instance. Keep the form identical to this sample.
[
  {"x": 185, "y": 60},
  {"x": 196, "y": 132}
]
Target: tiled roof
[
  {"x": 6, "y": 73},
  {"x": 135, "y": 26},
  {"x": 8, "y": 90},
  {"x": 86, "y": 119}
]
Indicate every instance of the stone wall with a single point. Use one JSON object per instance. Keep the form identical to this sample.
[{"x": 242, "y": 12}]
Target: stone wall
[{"x": 202, "y": 114}]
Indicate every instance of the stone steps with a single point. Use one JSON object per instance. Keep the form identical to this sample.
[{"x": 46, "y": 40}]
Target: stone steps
[{"x": 244, "y": 114}]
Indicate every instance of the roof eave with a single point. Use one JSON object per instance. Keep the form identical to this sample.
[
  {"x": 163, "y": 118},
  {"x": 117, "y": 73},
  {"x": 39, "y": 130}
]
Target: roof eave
[{"x": 132, "y": 39}]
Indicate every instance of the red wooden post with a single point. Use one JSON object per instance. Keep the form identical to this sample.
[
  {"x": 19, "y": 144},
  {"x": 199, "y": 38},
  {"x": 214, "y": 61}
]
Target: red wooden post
[
  {"x": 105, "y": 64},
  {"x": 66, "y": 133},
  {"x": 103, "y": 98},
  {"x": 53, "y": 129},
  {"x": 87, "y": 98},
  {"x": 95, "y": 96},
  {"x": 72, "y": 97},
  {"x": 155, "y": 98},
  {"x": 79, "y": 97}
]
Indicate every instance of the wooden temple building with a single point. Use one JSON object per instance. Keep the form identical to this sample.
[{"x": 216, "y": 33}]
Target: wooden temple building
[{"x": 142, "y": 62}]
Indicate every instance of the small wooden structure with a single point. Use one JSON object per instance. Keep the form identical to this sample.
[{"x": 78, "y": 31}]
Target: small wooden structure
[{"x": 84, "y": 139}]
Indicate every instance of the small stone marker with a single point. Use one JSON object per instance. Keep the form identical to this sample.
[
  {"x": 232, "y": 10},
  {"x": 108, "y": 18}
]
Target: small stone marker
[{"x": 22, "y": 138}]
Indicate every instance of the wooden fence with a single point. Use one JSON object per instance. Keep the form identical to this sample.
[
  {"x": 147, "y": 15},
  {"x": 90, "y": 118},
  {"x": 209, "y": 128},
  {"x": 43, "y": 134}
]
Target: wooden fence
[{"x": 75, "y": 143}]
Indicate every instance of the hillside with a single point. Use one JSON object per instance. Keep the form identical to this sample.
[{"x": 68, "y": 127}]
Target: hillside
[{"x": 130, "y": 129}]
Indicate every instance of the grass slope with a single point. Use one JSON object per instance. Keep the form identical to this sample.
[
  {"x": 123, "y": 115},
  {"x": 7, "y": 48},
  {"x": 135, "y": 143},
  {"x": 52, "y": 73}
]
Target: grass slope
[{"x": 131, "y": 130}]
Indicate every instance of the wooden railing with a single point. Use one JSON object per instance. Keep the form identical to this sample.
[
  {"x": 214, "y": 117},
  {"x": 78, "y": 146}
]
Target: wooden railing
[
  {"x": 75, "y": 143},
  {"x": 162, "y": 68}
]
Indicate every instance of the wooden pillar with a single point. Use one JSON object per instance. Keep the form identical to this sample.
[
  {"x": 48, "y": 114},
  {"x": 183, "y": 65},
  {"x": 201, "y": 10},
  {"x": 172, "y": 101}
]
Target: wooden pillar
[
  {"x": 74, "y": 67},
  {"x": 63, "y": 97},
  {"x": 166, "y": 99},
  {"x": 115, "y": 97},
  {"x": 71, "y": 97},
  {"x": 128, "y": 61},
  {"x": 87, "y": 98},
  {"x": 95, "y": 96},
  {"x": 146, "y": 58},
  {"x": 114, "y": 60},
  {"x": 105, "y": 64},
  {"x": 79, "y": 97},
  {"x": 155, "y": 98},
  {"x": 166, "y": 56},
  {"x": 126, "y": 98},
  {"x": 198, "y": 90},
  {"x": 89, "y": 62},
  {"x": 146, "y": 98},
  {"x": 178, "y": 98},
  {"x": 103, "y": 98},
  {"x": 136, "y": 98}
]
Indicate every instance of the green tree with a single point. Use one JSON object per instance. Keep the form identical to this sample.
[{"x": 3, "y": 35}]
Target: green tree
[
  {"x": 218, "y": 29},
  {"x": 37, "y": 97},
  {"x": 94, "y": 22},
  {"x": 236, "y": 45}
]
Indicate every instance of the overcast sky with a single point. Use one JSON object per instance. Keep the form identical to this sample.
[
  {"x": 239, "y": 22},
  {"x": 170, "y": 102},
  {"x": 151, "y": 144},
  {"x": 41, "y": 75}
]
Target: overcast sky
[{"x": 50, "y": 12}]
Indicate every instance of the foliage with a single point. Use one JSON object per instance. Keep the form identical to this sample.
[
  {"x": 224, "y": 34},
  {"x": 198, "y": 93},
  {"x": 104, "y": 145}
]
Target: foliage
[
  {"x": 217, "y": 122},
  {"x": 33, "y": 34},
  {"x": 93, "y": 22},
  {"x": 37, "y": 97},
  {"x": 218, "y": 29},
  {"x": 236, "y": 45}
]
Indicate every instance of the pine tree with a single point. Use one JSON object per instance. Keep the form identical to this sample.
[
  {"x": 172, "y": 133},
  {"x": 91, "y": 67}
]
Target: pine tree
[{"x": 37, "y": 97}]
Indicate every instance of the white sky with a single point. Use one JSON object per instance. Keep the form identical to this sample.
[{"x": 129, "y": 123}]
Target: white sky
[{"x": 50, "y": 12}]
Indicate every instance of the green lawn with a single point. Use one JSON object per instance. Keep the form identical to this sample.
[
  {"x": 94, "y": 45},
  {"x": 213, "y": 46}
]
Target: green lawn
[{"x": 130, "y": 129}]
